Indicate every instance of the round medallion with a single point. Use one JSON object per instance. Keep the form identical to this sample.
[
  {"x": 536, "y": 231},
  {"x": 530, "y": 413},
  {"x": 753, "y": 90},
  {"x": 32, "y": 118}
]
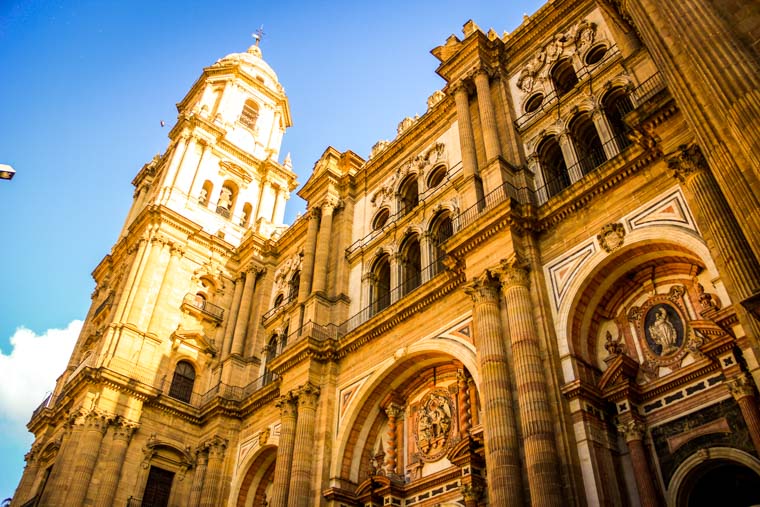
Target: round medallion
[{"x": 434, "y": 424}]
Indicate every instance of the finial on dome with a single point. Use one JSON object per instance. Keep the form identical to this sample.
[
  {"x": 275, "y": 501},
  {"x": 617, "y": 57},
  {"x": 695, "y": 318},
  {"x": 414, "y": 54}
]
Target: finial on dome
[
  {"x": 257, "y": 36},
  {"x": 288, "y": 163}
]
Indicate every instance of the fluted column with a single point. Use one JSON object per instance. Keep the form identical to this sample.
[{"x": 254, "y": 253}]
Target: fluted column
[
  {"x": 201, "y": 464},
  {"x": 396, "y": 261},
  {"x": 121, "y": 432},
  {"x": 571, "y": 156},
  {"x": 467, "y": 144},
  {"x": 139, "y": 248},
  {"x": 427, "y": 256},
  {"x": 282, "y": 468},
  {"x": 142, "y": 297},
  {"x": 32, "y": 468},
  {"x": 211, "y": 485},
  {"x": 322, "y": 255},
  {"x": 299, "y": 493},
  {"x": 541, "y": 459},
  {"x": 463, "y": 400},
  {"x": 95, "y": 424},
  {"x": 501, "y": 444},
  {"x": 474, "y": 412},
  {"x": 743, "y": 391},
  {"x": 472, "y": 494},
  {"x": 266, "y": 186},
  {"x": 307, "y": 268},
  {"x": 487, "y": 115},
  {"x": 730, "y": 245},
  {"x": 167, "y": 285},
  {"x": 55, "y": 491},
  {"x": 229, "y": 329},
  {"x": 180, "y": 148},
  {"x": 645, "y": 481},
  {"x": 713, "y": 76},
  {"x": 241, "y": 323},
  {"x": 394, "y": 412}
]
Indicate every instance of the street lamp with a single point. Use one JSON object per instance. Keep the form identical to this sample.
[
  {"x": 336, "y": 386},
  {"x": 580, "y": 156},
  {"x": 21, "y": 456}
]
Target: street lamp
[{"x": 6, "y": 172}]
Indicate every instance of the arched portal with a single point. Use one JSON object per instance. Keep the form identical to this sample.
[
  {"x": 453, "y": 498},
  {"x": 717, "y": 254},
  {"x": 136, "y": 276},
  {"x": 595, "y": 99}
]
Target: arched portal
[
  {"x": 726, "y": 477},
  {"x": 409, "y": 417},
  {"x": 255, "y": 488}
]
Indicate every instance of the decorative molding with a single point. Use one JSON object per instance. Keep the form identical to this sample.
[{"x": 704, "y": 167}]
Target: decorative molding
[
  {"x": 611, "y": 237},
  {"x": 564, "y": 270}
]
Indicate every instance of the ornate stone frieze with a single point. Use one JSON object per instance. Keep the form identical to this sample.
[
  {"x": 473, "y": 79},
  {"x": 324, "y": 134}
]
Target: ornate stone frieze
[{"x": 285, "y": 272}]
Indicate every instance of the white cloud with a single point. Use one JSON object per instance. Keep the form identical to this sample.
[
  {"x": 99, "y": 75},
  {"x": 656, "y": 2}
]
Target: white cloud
[{"x": 30, "y": 370}]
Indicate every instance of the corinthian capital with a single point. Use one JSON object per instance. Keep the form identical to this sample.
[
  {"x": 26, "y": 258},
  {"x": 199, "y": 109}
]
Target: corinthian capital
[
  {"x": 482, "y": 289},
  {"x": 330, "y": 204},
  {"x": 688, "y": 162},
  {"x": 307, "y": 395},
  {"x": 513, "y": 272},
  {"x": 632, "y": 430},
  {"x": 740, "y": 386}
]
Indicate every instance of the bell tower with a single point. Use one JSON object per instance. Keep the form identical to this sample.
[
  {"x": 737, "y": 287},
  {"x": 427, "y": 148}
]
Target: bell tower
[{"x": 221, "y": 168}]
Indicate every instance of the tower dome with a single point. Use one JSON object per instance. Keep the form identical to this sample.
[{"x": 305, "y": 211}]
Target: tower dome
[{"x": 252, "y": 63}]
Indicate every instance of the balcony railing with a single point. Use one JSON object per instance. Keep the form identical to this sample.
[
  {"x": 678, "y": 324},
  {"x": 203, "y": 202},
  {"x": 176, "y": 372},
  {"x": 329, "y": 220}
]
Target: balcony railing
[
  {"x": 211, "y": 310},
  {"x": 649, "y": 88},
  {"x": 281, "y": 306},
  {"x": 220, "y": 210}
]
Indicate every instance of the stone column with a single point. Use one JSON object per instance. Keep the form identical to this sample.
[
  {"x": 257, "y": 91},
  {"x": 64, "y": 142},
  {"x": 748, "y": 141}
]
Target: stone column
[
  {"x": 142, "y": 297},
  {"x": 139, "y": 247},
  {"x": 241, "y": 323},
  {"x": 284, "y": 461},
  {"x": 121, "y": 432},
  {"x": 467, "y": 143},
  {"x": 229, "y": 328},
  {"x": 266, "y": 185},
  {"x": 634, "y": 434},
  {"x": 180, "y": 148},
  {"x": 210, "y": 496},
  {"x": 463, "y": 400},
  {"x": 574, "y": 170},
  {"x": 299, "y": 493},
  {"x": 713, "y": 77},
  {"x": 94, "y": 424},
  {"x": 24, "y": 489},
  {"x": 487, "y": 115},
  {"x": 536, "y": 419},
  {"x": 396, "y": 261},
  {"x": 322, "y": 256},
  {"x": 474, "y": 412},
  {"x": 307, "y": 267},
  {"x": 201, "y": 463},
  {"x": 603, "y": 128},
  {"x": 55, "y": 490},
  {"x": 167, "y": 284},
  {"x": 394, "y": 413},
  {"x": 743, "y": 391},
  {"x": 427, "y": 257},
  {"x": 500, "y": 432},
  {"x": 731, "y": 247}
]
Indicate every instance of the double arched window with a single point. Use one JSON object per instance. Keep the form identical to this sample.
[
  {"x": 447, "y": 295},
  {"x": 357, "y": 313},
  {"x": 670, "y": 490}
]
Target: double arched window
[
  {"x": 588, "y": 146},
  {"x": 182, "y": 382},
  {"x": 552, "y": 162},
  {"x": 411, "y": 264},
  {"x": 563, "y": 76}
]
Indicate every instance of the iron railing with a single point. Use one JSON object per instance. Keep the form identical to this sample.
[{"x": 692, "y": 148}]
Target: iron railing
[
  {"x": 276, "y": 309},
  {"x": 649, "y": 88},
  {"x": 212, "y": 310}
]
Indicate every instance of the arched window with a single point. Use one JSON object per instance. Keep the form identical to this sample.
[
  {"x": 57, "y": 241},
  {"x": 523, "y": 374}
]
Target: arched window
[
  {"x": 441, "y": 229},
  {"x": 588, "y": 146},
  {"x": 271, "y": 353},
  {"x": 245, "y": 218},
  {"x": 563, "y": 76},
  {"x": 380, "y": 219},
  {"x": 380, "y": 290},
  {"x": 206, "y": 191},
  {"x": 250, "y": 114},
  {"x": 295, "y": 285},
  {"x": 595, "y": 54},
  {"x": 553, "y": 167},
  {"x": 182, "y": 382},
  {"x": 408, "y": 195},
  {"x": 411, "y": 264},
  {"x": 226, "y": 200},
  {"x": 616, "y": 104},
  {"x": 436, "y": 176},
  {"x": 278, "y": 300}
]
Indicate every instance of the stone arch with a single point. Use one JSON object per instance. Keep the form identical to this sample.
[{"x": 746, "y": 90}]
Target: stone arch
[
  {"x": 256, "y": 472},
  {"x": 712, "y": 457},
  {"x": 603, "y": 269},
  {"x": 362, "y": 422}
]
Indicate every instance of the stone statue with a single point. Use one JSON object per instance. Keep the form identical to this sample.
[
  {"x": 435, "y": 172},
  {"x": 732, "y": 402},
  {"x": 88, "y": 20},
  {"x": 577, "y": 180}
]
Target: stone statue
[
  {"x": 225, "y": 198},
  {"x": 663, "y": 332}
]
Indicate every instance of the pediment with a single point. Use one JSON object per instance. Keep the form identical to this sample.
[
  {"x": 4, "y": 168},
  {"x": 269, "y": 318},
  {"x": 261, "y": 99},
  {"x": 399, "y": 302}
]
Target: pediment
[{"x": 195, "y": 339}]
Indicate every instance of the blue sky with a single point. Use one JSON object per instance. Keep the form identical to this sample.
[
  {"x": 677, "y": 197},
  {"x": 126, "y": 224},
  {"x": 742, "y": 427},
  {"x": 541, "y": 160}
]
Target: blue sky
[{"x": 83, "y": 88}]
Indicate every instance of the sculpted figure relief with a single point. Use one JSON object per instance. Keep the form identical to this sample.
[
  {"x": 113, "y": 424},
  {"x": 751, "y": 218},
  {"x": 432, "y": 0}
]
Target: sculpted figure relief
[
  {"x": 663, "y": 332},
  {"x": 434, "y": 425}
]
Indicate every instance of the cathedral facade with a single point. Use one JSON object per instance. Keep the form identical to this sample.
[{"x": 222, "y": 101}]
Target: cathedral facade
[{"x": 544, "y": 291}]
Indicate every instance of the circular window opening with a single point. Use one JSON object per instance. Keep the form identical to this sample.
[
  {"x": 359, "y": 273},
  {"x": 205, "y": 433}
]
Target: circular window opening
[
  {"x": 534, "y": 102},
  {"x": 381, "y": 218},
  {"x": 595, "y": 54},
  {"x": 436, "y": 177}
]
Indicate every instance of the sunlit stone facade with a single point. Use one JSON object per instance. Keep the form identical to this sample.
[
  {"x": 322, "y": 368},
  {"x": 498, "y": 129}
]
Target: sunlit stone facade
[{"x": 541, "y": 292}]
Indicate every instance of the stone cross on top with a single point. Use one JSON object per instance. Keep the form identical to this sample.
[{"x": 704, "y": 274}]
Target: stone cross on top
[{"x": 258, "y": 34}]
